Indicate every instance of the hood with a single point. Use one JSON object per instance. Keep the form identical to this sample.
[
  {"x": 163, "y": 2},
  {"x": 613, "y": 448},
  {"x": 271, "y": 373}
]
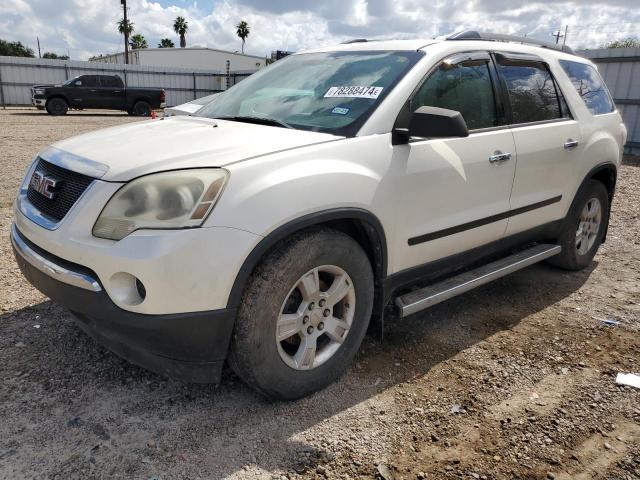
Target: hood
[{"x": 139, "y": 148}]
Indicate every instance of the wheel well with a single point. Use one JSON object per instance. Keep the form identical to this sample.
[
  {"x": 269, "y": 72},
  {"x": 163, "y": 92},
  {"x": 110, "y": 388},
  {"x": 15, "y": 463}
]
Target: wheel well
[
  {"x": 606, "y": 175},
  {"x": 58, "y": 96},
  {"x": 367, "y": 238},
  {"x": 359, "y": 224},
  {"x": 140, "y": 99}
]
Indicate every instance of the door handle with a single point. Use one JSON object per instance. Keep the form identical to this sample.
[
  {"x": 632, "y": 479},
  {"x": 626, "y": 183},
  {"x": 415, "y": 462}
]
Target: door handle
[
  {"x": 499, "y": 157},
  {"x": 570, "y": 143}
]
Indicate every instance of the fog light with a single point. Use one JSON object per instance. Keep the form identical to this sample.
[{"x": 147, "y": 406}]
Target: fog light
[{"x": 127, "y": 289}]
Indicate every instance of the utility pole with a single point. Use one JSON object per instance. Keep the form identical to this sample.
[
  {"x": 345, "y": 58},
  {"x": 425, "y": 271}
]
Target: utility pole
[
  {"x": 126, "y": 32},
  {"x": 558, "y": 34},
  {"x": 566, "y": 30},
  {"x": 39, "y": 54}
]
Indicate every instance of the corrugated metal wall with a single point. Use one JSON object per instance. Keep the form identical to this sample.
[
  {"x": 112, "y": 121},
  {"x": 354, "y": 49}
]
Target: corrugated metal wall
[
  {"x": 17, "y": 75},
  {"x": 620, "y": 68}
]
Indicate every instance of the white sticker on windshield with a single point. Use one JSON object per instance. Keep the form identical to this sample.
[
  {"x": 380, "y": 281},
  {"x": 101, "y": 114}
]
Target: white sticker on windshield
[{"x": 353, "y": 92}]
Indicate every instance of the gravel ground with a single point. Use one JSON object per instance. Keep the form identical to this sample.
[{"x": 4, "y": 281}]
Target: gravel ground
[{"x": 513, "y": 380}]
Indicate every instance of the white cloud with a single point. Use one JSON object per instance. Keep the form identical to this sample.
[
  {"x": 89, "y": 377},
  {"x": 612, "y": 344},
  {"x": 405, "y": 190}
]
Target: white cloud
[{"x": 87, "y": 27}]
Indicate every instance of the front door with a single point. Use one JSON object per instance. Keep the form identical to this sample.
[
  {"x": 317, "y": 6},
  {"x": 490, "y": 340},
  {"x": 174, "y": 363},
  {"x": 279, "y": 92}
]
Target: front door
[
  {"x": 453, "y": 194},
  {"x": 84, "y": 92}
]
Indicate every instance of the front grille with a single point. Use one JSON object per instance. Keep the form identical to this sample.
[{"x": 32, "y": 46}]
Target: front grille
[{"x": 71, "y": 186}]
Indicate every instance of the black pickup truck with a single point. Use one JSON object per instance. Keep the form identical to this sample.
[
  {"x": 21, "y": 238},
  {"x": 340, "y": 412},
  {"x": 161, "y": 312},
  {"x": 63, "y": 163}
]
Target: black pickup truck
[{"x": 97, "y": 91}]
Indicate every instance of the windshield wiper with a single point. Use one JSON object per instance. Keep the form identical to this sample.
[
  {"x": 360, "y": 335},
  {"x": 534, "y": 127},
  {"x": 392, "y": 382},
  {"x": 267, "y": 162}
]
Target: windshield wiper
[{"x": 258, "y": 120}]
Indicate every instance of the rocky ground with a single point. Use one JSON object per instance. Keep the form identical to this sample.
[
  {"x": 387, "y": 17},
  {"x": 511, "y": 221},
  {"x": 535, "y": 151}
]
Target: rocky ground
[{"x": 513, "y": 380}]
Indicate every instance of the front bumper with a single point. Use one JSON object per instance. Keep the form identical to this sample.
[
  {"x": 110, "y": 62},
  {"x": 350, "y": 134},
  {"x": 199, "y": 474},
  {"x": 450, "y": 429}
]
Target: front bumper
[{"x": 187, "y": 346}]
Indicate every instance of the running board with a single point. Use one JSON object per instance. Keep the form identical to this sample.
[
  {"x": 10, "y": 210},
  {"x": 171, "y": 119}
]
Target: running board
[{"x": 430, "y": 295}]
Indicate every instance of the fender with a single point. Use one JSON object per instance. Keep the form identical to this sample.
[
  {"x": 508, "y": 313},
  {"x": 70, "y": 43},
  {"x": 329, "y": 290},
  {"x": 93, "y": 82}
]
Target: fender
[{"x": 373, "y": 230}]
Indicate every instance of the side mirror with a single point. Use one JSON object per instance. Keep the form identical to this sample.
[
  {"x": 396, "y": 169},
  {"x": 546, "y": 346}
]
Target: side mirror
[
  {"x": 434, "y": 122},
  {"x": 78, "y": 83}
]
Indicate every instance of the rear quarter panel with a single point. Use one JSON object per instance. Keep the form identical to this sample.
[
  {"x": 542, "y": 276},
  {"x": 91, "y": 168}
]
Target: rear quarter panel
[{"x": 602, "y": 136}]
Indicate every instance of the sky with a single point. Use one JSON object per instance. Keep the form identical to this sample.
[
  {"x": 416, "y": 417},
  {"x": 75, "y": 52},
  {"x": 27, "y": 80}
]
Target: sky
[{"x": 88, "y": 27}]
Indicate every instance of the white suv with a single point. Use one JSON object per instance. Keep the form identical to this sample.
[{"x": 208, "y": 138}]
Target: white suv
[{"x": 270, "y": 228}]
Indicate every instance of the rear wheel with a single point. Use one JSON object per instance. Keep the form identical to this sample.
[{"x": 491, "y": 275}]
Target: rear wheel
[
  {"x": 304, "y": 314},
  {"x": 57, "y": 106},
  {"x": 584, "y": 227},
  {"x": 142, "y": 109}
]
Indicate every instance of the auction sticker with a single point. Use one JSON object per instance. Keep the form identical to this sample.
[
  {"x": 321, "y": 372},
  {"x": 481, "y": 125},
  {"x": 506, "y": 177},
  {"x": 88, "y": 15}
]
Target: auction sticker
[{"x": 353, "y": 92}]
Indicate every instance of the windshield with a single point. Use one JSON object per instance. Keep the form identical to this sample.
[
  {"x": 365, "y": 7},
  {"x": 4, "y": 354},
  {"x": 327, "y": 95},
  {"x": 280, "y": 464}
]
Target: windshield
[
  {"x": 333, "y": 92},
  {"x": 70, "y": 81}
]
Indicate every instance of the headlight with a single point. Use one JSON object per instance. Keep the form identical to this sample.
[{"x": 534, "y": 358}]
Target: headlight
[
  {"x": 179, "y": 199},
  {"x": 39, "y": 91}
]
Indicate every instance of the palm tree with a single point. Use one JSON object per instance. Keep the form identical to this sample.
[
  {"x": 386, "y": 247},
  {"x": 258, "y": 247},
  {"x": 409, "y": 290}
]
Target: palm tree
[
  {"x": 166, "y": 43},
  {"x": 130, "y": 27},
  {"x": 137, "y": 42},
  {"x": 180, "y": 26},
  {"x": 243, "y": 32}
]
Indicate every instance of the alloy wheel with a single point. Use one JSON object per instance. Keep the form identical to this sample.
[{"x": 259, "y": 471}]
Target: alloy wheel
[
  {"x": 315, "y": 317},
  {"x": 588, "y": 226}
]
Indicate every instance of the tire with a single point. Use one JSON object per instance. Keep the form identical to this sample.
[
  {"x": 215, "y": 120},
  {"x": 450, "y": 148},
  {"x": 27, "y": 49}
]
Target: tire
[
  {"x": 57, "y": 106},
  {"x": 142, "y": 109},
  {"x": 269, "y": 365},
  {"x": 581, "y": 239}
]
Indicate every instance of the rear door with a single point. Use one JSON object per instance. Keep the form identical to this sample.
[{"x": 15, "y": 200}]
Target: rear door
[
  {"x": 454, "y": 192},
  {"x": 111, "y": 92},
  {"x": 547, "y": 138}
]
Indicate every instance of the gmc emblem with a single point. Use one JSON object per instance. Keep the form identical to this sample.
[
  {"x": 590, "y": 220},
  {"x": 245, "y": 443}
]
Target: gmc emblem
[{"x": 44, "y": 184}]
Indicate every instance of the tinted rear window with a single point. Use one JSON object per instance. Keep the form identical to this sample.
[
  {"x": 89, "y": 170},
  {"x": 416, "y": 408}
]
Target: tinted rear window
[
  {"x": 532, "y": 92},
  {"x": 590, "y": 86},
  {"x": 109, "y": 81}
]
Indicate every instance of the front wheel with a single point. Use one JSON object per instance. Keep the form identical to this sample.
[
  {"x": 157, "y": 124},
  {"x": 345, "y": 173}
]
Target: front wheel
[
  {"x": 304, "y": 314},
  {"x": 584, "y": 227},
  {"x": 57, "y": 106}
]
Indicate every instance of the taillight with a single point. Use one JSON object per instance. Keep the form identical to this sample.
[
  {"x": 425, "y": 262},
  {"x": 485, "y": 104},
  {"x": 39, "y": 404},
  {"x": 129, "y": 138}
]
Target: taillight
[{"x": 162, "y": 96}]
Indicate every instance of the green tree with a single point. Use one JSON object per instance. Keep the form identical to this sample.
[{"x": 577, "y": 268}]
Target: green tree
[
  {"x": 121, "y": 28},
  {"x": 180, "y": 26},
  {"x": 166, "y": 43},
  {"x": 15, "y": 49},
  {"x": 630, "y": 42},
  {"x": 137, "y": 42},
  {"x": 55, "y": 56},
  {"x": 242, "y": 30}
]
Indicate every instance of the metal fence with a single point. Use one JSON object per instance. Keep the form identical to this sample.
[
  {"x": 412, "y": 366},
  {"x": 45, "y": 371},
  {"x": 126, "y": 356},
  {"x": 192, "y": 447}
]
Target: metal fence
[
  {"x": 18, "y": 74},
  {"x": 620, "y": 68}
]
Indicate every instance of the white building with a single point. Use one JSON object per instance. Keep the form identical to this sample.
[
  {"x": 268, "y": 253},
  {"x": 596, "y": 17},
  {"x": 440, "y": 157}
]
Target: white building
[{"x": 193, "y": 57}]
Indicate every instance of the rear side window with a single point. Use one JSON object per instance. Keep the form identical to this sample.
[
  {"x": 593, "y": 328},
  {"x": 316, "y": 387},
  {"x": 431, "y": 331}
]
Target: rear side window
[
  {"x": 109, "y": 81},
  {"x": 533, "y": 93},
  {"x": 464, "y": 87},
  {"x": 590, "y": 86}
]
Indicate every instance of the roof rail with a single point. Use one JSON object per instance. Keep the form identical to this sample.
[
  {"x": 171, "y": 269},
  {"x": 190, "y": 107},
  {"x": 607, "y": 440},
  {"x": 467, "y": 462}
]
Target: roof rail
[
  {"x": 499, "y": 37},
  {"x": 355, "y": 40}
]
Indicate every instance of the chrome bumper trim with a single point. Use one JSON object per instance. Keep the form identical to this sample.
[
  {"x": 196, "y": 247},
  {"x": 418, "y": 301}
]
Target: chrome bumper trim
[{"x": 50, "y": 268}]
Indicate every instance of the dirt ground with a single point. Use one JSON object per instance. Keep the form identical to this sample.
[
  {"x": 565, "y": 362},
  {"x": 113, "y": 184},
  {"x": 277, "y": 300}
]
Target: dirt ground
[{"x": 513, "y": 380}]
